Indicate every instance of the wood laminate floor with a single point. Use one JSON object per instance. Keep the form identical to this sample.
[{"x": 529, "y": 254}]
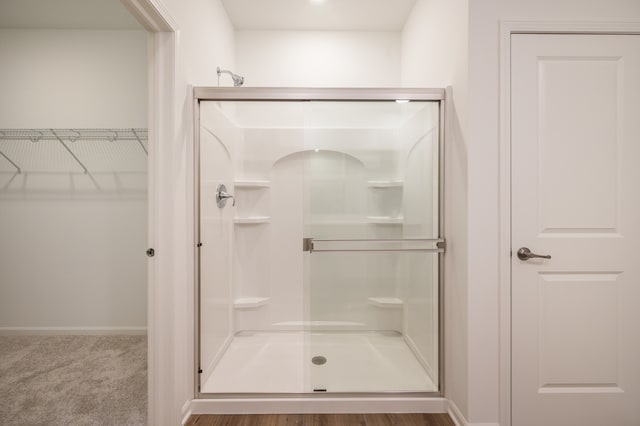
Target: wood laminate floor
[{"x": 322, "y": 420}]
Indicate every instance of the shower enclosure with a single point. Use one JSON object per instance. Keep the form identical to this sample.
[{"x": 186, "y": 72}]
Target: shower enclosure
[{"x": 319, "y": 241}]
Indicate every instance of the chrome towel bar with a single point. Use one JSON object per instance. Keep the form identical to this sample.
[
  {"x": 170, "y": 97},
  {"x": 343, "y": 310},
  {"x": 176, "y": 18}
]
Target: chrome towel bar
[{"x": 439, "y": 245}]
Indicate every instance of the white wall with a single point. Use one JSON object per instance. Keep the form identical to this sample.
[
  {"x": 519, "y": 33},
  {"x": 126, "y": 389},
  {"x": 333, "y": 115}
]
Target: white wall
[
  {"x": 72, "y": 254},
  {"x": 73, "y": 78},
  {"x": 73, "y": 263},
  {"x": 434, "y": 54},
  {"x": 483, "y": 174},
  {"x": 204, "y": 40},
  {"x": 276, "y": 59},
  {"x": 318, "y": 58}
]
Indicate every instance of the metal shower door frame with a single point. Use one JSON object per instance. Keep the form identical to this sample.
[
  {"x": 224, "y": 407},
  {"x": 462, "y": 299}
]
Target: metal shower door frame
[{"x": 276, "y": 94}]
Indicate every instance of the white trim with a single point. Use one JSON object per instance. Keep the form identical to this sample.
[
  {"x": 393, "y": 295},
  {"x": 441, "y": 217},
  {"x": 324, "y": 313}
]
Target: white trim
[
  {"x": 314, "y": 94},
  {"x": 335, "y": 405},
  {"x": 459, "y": 419},
  {"x": 456, "y": 415},
  {"x": 521, "y": 26},
  {"x": 504, "y": 223},
  {"x": 152, "y": 15},
  {"x": 507, "y": 28},
  {"x": 161, "y": 322},
  {"x": 186, "y": 411},
  {"x": 162, "y": 119},
  {"x": 60, "y": 331}
]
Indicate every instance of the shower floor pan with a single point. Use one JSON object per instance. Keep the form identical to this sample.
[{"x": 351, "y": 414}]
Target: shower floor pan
[{"x": 301, "y": 362}]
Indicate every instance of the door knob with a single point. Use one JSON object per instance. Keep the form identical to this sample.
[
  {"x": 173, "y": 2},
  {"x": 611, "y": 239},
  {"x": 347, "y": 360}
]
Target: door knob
[{"x": 525, "y": 254}]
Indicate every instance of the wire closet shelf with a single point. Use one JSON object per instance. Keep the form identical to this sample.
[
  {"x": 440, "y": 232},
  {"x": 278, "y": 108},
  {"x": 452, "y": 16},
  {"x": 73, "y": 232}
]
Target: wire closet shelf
[{"x": 66, "y": 138}]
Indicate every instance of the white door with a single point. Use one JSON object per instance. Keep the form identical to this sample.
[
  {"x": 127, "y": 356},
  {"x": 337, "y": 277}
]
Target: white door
[{"x": 576, "y": 197}]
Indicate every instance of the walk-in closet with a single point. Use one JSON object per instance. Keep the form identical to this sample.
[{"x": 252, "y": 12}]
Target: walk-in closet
[{"x": 73, "y": 214}]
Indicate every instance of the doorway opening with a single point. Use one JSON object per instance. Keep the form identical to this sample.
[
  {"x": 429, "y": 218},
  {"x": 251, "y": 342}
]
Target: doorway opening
[{"x": 73, "y": 196}]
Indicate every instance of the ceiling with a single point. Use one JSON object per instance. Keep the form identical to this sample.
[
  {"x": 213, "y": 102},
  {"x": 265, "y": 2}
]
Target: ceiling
[
  {"x": 66, "y": 14},
  {"x": 335, "y": 15}
]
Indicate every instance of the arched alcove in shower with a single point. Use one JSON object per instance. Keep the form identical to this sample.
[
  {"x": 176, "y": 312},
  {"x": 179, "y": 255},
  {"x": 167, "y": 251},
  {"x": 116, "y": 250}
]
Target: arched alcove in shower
[{"x": 322, "y": 273}]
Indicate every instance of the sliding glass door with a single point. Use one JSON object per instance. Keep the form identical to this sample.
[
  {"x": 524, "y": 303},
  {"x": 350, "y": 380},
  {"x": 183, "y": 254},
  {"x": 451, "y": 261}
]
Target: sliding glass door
[
  {"x": 319, "y": 241},
  {"x": 371, "y": 234}
]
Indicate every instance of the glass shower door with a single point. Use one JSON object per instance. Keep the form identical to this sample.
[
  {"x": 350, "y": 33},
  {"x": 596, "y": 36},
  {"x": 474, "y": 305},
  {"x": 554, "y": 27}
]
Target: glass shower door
[
  {"x": 215, "y": 237},
  {"x": 321, "y": 274},
  {"x": 371, "y": 229}
]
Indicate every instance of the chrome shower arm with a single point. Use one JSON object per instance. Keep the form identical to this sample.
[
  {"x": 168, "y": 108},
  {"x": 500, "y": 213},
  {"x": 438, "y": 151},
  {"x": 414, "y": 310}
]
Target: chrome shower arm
[{"x": 238, "y": 80}]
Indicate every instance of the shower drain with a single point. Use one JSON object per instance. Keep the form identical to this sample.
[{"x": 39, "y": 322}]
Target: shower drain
[{"x": 319, "y": 360}]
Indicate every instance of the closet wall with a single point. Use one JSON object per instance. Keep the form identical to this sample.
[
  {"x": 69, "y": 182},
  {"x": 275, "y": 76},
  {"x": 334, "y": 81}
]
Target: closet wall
[
  {"x": 72, "y": 248},
  {"x": 73, "y": 78}
]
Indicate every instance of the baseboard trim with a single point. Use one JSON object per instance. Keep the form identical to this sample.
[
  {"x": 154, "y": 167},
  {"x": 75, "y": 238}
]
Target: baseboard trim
[
  {"x": 55, "y": 331},
  {"x": 317, "y": 405},
  {"x": 186, "y": 411},
  {"x": 456, "y": 415},
  {"x": 459, "y": 419}
]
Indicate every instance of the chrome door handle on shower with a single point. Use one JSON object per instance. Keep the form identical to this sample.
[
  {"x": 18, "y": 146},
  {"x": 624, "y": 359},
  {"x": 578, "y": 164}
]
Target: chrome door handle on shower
[
  {"x": 525, "y": 254},
  {"x": 222, "y": 196}
]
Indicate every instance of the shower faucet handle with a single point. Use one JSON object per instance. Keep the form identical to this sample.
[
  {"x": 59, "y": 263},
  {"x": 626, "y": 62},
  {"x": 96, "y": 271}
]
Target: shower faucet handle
[{"x": 222, "y": 196}]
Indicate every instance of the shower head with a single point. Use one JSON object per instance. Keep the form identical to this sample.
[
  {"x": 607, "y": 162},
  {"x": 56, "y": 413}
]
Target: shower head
[{"x": 238, "y": 80}]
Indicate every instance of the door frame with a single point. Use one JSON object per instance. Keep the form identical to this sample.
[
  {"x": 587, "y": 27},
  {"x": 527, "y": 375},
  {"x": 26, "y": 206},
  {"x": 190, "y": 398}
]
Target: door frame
[
  {"x": 162, "y": 114},
  {"x": 507, "y": 28}
]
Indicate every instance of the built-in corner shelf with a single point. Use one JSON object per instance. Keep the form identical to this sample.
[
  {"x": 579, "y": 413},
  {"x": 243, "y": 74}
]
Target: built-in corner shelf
[
  {"x": 386, "y": 302},
  {"x": 385, "y": 183},
  {"x": 252, "y": 184},
  {"x": 385, "y": 220},
  {"x": 250, "y": 302},
  {"x": 251, "y": 220}
]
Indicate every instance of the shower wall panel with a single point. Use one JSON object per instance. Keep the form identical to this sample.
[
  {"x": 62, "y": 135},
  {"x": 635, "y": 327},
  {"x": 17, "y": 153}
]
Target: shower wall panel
[
  {"x": 219, "y": 138},
  {"x": 418, "y": 272},
  {"x": 335, "y": 171},
  {"x": 318, "y": 159}
]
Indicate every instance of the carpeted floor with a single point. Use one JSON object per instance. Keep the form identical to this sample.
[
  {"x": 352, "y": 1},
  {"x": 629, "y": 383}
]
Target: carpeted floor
[{"x": 73, "y": 380}]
